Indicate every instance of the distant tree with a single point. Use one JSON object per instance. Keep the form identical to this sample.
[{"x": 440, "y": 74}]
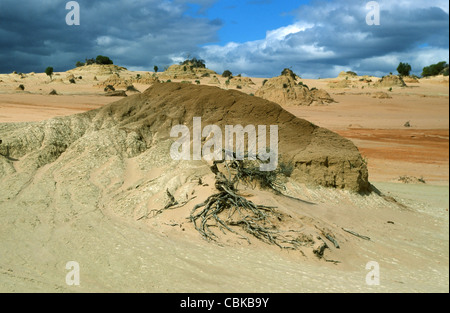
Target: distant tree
[
  {"x": 79, "y": 64},
  {"x": 404, "y": 69},
  {"x": 49, "y": 72},
  {"x": 227, "y": 74},
  {"x": 434, "y": 69},
  {"x": 156, "y": 69},
  {"x": 103, "y": 60}
]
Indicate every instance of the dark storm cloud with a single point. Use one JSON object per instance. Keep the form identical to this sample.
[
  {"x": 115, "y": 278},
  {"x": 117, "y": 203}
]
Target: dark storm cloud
[{"x": 140, "y": 33}]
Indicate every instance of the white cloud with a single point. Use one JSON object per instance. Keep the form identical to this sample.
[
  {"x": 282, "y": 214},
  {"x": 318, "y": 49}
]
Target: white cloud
[{"x": 333, "y": 35}]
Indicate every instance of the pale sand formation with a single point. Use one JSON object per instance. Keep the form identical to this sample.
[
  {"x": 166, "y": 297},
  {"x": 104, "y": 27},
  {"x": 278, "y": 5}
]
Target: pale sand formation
[
  {"x": 187, "y": 71},
  {"x": 92, "y": 188},
  {"x": 285, "y": 91}
]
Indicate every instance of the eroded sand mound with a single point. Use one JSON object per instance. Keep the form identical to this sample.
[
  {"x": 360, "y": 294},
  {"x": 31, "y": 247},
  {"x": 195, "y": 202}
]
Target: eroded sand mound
[
  {"x": 141, "y": 123},
  {"x": 285, "y": 91},
  {"x": 146, "y": 79},
  {"x": 97, "y": 70},
  {"x": 390, "y": 81},
  {"x": 381, "y": 95},
  {"x": 115, "y": 161},
  {"x": 241, "y": 81},
  {"x": 116, "y": 81},
  {"x": 187, "y": 71},
  {"x": 214, "y": 80},
  {"x": 339, "y": 84},
  {"x": 348, "y": 74},
  {"x": 410, "y": 79}
]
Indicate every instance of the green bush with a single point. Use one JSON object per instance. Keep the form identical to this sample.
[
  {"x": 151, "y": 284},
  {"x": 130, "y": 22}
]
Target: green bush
[
  {"x": 264, "y": 81},
  {"x": 103, "y": 60},
  {"x": 404, "y": 69},
  {"x": 79, "y": 64},
  {"x": 49, "y": 71},
  {"x": 227, "y": 74}
]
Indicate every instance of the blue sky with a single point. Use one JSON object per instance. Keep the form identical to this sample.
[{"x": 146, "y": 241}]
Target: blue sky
[
  {"x": 316, "y": 38},
  {"x": 247, "y": 20}
]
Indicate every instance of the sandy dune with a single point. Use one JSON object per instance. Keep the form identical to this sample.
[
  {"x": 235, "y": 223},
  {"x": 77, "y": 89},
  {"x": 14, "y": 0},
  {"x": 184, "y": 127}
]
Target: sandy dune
[{"x": 47, "y": 221}]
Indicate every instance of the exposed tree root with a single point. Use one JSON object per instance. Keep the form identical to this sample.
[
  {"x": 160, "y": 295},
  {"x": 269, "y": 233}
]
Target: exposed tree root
[{"x": 227, "y": 210}]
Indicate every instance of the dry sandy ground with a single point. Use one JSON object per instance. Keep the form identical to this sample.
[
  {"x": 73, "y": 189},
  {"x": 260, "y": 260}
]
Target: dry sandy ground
[{"x": 116, "y": 254}]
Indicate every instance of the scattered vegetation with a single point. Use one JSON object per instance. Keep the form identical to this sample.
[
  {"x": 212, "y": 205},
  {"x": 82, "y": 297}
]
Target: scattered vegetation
[
  {"x": 304, "y": 85},
  {"x": 289, "y": 72},
  {"x": 194, "y": 63},
  {"x": 100, "y": 59},
  {"x": 197, "y": 82}
]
